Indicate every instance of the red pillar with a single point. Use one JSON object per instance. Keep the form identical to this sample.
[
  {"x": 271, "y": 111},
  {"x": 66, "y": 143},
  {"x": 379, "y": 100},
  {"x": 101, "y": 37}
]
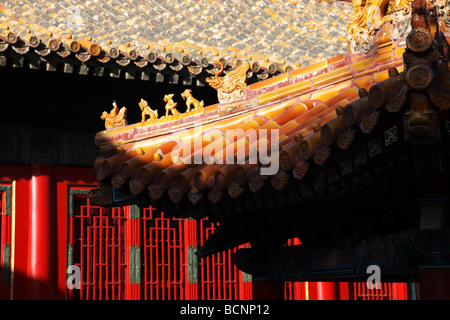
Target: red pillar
[
  {"x": 267, "y": 290},
  {"x": 434, "y": 283},
  {"x": 323, "y": 290},
  {"x": 39, "y": 244}
]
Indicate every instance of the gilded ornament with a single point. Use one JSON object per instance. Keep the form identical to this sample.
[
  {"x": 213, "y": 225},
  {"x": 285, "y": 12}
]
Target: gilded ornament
[
  {"x": 369, "y": 17},
  {"x": 170, "y": 105},
  {"x": 191, "y": 101},
  {"x": 116, "y": 117},
  {"x": 232, "y": 86},
  {"x": 146, "y": 111}
]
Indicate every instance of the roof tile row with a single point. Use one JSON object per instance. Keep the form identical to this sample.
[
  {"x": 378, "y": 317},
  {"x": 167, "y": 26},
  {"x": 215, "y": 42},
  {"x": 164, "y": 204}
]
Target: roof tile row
[
  {"x": 308, "y": 108},
  {"x": 280, "y": 31}
]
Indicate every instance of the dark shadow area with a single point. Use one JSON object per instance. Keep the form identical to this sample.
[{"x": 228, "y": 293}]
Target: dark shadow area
[
  {"x": 25, "y": 288},
  {"x": 75, "y": 102}
]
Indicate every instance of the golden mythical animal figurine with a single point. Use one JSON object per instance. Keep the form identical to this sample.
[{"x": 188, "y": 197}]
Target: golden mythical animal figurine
[
  {"x": 170, "y": 105},
  {"x": 147, "y": 111},
  {"x": 191, "y": 101},
  {"x": 232, "y": 86},
  {"x": 116, "y": 117},
  {"x": 369, "y": 16}
]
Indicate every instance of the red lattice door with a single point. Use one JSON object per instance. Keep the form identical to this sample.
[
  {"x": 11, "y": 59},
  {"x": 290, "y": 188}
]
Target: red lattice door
[
  {"x": 98, "y": 241},
  {"x": 165, "y": 257},
  {"x": 219, "y": 279},
  {"x": 138, "y": 253}
]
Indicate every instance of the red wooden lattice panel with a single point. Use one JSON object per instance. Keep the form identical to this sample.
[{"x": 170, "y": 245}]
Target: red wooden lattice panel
[
  {"x": 164, "y": 257},
  {"x": 149, "y": 256},
  {"x": 387, "y": 291},
  {"x": 219, "y": 278},
  {"x": 98, "y": 237}
]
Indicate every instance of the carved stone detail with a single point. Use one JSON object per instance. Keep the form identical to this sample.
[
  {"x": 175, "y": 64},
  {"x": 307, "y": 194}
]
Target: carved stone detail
[
  {"x": 215, "y": 195},
  {"x": 155, "y": 191},
  {"x": 220, "y": 181},
  {"x": 199, "y": 181},
  {"x": 440, "y": 99},
  {"x": 43, "y": 52},
  {"x": 117, "y": 181},
  {"x": 322, "y": 156},
  {"x": 369, "y": 123},
  {"x": 100, "y": 173},
  {"x": 255, "y": 184},
  {"x": 83, "y": 57},
  {"x": 420, "y": 125},
  {"x": 175, "y": 194},
  {"x": 241, "y": 176},
  {"x": 21, "y": 50},
  {"x": 136, "y": 186},
  {"x": 345, "y": 140},
  {"x": 232, "y": 86},
  {"x": 159, "y": 66},
  {"x": 195, "y": 70},
  {"x": 123, "y": 62},
  {"x": 100, "y": 196},
  {"x": 3, "y": 46},
  {"x": 370, "y": 16},
  {"x": 231, "y": 107},
  {"x": 63, "y": 53},
  {"x": 235, "y": 190},
  {"x": 396, "y": 103},
  {"x": 300, "y": 170},
  {"x": 419, "y": 40},
  {"x": 419, "y": 77},
  {"x": 280, "y": 180},
  {"x": 305, "y": 150},
  {"x": 195, "y": 196},
  {"x": 285, "y": 161},
  {"x": 376, "y": 96}
]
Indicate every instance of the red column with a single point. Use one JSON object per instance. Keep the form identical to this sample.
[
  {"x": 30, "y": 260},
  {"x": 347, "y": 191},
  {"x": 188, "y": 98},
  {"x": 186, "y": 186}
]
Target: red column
[
  {"x": 39, "y": 245},
  {"x": 434, "y": 283},
  {"x": 323, "y": 290},
  {"x": 267, "y": 290}
]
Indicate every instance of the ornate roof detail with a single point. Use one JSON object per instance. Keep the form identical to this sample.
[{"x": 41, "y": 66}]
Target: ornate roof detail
[
  {"x": 320, "y": 124},
  {"x": 146, "y": 38}
]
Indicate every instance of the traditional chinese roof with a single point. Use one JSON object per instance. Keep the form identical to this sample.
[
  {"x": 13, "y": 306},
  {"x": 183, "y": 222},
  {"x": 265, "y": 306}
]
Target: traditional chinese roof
[
  {"x": 346, "y": 126},
  {"x": 101, "y": 35},
  {"x": 308, "y": 106}
]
